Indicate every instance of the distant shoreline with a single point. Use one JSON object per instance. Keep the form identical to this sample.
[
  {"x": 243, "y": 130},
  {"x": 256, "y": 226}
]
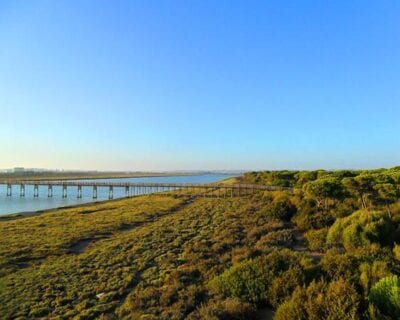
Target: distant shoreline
[{"x": 100, "y": 175}]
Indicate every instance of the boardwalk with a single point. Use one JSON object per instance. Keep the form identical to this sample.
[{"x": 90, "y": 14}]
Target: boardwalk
[{"x": 132, "y": 189}]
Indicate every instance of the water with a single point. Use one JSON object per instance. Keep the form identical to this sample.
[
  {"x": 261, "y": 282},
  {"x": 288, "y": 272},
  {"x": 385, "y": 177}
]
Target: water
[{"x": 17, "y": 204}]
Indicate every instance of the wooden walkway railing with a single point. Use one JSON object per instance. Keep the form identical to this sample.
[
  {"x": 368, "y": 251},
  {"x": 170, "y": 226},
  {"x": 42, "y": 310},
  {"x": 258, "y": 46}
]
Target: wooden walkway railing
[{"x": 141, "y": 188}]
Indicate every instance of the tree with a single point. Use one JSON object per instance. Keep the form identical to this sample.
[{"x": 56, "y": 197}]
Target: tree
[
  {"x": 324, "y": 189},
  {"x": 379, "y": 187}
]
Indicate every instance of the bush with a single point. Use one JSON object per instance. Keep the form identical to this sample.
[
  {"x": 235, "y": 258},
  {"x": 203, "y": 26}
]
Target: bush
[
  {"x": 316, "y": 239},
  {"x": 294, "y": 308},
  {"x": 283, "y": 286},
  {"x": 256, "y": 232},
  {"x": 250, "y": 280},
  {"x": 385, "y": 295},
  {"x": 337, "y": 300},
  {"x": 276, "y": 239},
  {"x": 396, "y": 252},
  {"x": 246, "y": 280},
  {"x": 362, "y": 228},
  {"x": 281, "y": 208},
  {"x": 228, "y": 309},
  {"x": 372, "y": 273},
  {"x": 336, "y": 265}
]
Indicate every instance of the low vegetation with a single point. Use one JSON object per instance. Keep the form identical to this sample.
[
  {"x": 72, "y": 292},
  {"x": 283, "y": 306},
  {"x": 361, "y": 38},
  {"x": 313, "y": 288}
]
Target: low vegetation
[{"x": 326, "y": 249}]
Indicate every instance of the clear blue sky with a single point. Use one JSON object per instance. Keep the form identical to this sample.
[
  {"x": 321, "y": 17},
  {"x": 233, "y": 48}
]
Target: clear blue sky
[{"x": 164, "y": 85}]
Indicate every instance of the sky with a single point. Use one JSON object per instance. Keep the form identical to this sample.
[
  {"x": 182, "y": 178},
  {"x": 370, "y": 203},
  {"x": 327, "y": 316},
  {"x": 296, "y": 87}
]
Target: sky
[{"x": 210, "y": 85}]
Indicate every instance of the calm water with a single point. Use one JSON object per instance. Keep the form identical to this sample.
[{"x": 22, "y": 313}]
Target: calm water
[{"x": 15, "y": 203}]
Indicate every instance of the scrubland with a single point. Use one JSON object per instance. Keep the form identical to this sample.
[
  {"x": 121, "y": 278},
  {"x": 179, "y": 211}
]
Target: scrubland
[{"x": 326, "y": 250}]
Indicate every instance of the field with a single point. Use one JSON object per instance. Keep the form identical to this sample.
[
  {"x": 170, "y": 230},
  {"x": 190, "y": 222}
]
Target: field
[{"x": 324, "y": 251}]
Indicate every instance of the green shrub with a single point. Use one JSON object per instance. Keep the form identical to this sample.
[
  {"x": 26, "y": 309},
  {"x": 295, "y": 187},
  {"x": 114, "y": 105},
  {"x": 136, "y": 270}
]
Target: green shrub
[
  {"x": 250, "y": 280},
  {"x": 385, "y": 295},
  {"x": 372, "y": 273},
  {"x": 294, "y": 308},
  {"x": 280, "y": 208},
  {"x": 283, "y": 286},
  {"x": 362, "y": 228},
  {"x": 337, "y": 300},
  {"x": 336, "y": 265},
  {"x": 246, "y": 280},
  {"x": 316, "y": 239}
]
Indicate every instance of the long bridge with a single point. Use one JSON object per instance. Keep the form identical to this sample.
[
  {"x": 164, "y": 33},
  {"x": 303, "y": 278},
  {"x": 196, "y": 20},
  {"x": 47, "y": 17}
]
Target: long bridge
[{"x": 142, "y": 188}]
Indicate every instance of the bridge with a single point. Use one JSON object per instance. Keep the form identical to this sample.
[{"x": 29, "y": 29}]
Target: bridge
[{"x": 135, "y": 189}]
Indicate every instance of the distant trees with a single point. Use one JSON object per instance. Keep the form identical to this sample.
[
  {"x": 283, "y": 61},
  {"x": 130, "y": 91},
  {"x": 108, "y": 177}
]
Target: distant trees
[{"x": 374, "y": 188}]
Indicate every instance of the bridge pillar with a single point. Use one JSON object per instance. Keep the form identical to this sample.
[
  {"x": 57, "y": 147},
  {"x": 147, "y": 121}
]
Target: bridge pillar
[
  {"x": 50, "y": 191},
  {"x": 79, "y": 193},
  {"x": 22, "y": 190},
  {"x": 127, "y": 191},
  {"x": 110, "y": 192},
  {"x": 35, "y": 190},
  {"x": 64, "y": 191},
  {"x": 9, "y": 190},
  {"x": 94, "y": 192}
]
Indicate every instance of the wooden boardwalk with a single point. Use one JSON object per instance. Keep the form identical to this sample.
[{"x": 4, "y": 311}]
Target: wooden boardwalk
[{"x": 140, "y": 188}]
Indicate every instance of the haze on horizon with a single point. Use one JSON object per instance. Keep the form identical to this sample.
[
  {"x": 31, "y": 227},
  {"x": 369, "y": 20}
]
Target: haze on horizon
[{"x": 166, "y": 85}]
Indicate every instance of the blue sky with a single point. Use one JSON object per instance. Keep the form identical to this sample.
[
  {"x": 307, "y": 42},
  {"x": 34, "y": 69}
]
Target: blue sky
[{"x": 166, "y": 85}]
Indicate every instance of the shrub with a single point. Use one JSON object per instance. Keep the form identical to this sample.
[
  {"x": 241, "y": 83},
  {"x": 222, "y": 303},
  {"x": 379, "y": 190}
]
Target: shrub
[
  {"x": 316, "y": 239},
  {"x": 306, "y": 220},
  {"x": 385, "y": 295},
  {"x": 276, "y": 239},
  {"x": 246, "y": 280},
  {"x": 362, "y": 228},
  {"x": 337, "y": 300},
  {"x": 281, "y": 208},
  {"x": 294, "y": 307},
  {"x": 283, "y": 286},
  {"x": 228, "y": 309},
  {"x": 242, "y": 253},
  {"x": 372, "y": 273},
  {"x": 257, "y": 231},
  {"x": 249, "y": 280},
  {"x": 396, "y": 251},
  {"x": 337, "y": 265}
]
